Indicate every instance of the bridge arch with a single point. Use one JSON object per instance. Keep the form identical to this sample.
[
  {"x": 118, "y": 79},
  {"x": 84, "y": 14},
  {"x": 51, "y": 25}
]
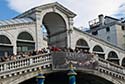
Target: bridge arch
[
  {"x": 82, "y": 44},
  {"x": 99, "y": 50},
  {"x": 6, "y": 47},
  {"x": 113, "y": 57},
  {"x": 61, "y": 77},
  {"x": 25, "y": 42}
]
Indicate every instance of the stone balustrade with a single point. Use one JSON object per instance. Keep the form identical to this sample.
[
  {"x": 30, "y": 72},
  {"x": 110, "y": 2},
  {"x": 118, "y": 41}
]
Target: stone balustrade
[
  {"x": 111, "y": 66},
  {"x": 23, "y": 65},
  {"x": 111, "y": 69},
  {"x": 104, "y": 66}
]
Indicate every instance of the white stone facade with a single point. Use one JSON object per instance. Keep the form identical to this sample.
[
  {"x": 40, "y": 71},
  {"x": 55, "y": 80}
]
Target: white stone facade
[{"x": 110, "y": 30}]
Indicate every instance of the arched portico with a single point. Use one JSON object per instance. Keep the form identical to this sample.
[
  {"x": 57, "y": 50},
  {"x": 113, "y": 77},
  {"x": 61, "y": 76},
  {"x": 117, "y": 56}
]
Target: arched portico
[
  {"x": 55, "y": 25},
  {"x": 57, "y": 20},
  {"x": 98, "y": 50},
  {"x": 113, "y": 57},
  {"x": 82, "y": 44},
  {"x": 6, "y": 47},
  {"x": 25, "y": 42}
]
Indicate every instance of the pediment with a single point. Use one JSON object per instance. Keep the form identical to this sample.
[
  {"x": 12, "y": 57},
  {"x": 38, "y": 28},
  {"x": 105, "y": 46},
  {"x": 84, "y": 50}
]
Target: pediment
[
  {"x": 57, "y": 6},
  {"x": 50, "y": 5}
]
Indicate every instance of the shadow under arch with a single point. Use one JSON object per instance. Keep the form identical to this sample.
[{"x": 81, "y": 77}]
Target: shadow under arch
[
  {"x": 99, "y": 51},
  {"x": 113, "y": 57},
  {"x": 56, "y": 28},
  {"x": 82, "y": 44}
]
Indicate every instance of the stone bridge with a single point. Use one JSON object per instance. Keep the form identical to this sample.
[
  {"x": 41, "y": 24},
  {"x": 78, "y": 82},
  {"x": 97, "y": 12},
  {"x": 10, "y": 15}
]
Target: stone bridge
[
  {"x": 16, "y": 72},
  {"x": 23, "y": 33}
]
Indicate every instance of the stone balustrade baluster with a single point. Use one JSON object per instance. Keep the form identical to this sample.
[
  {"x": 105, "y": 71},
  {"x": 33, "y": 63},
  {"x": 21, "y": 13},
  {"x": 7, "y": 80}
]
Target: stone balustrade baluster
[
  {"x": 31, "y": 61},
  {"x": 124, "y": 71},
  {"x": 15, "y": 64},
  {"x": 24, "y": 62},
  {"x": 5, "y": 67},
  {"x": 35, "y": 59},
  {"x": 12, "y": 65},
  {"x": 9, "y": 65},
  {"x": 20, "y": 63},
  {"x": 42, "y": 59}
]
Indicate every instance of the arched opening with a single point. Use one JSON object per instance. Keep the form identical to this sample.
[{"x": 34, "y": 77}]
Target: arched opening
[
  {"x": 82, "y": 44},
  {"x": 56, "y": 29},
  {"x": 123, "y": 62},
  {"x": 113, "y": 57},
  {"x": 5, "y": 46},
  {"x": 99, "y": 51},
  {"x": 25, "y": 42}
]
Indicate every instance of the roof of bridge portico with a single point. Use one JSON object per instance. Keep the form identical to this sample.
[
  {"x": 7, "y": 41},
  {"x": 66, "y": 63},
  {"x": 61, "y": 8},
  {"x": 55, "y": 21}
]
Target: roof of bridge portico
[{"x": 50, "y": 5}]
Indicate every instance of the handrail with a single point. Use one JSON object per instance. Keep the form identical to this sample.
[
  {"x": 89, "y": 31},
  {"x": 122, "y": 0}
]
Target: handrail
[
  {"x": 47, "y": 58},
  {"x": 116, "y": 65},
  {"x": 111, "y": 66},
  {"x": 24, "y": 62}
]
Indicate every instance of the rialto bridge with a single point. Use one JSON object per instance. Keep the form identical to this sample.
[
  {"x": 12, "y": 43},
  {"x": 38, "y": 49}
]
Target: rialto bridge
[{"x": 24, "y": 33}]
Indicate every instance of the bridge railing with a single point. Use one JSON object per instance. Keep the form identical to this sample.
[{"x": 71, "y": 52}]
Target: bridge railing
[
  {"x": 24, "y": 62},
  {"x": 111, "y": 66},
  {"x": 62, "y": 60}
]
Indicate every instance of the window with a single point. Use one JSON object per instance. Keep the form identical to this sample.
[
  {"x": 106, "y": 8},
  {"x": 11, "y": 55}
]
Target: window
[
  {"x": 123, "y": 27},
  {"x": 4, "y": 39},
  {"x": 107, "y": 29},
  {"x": 95, "y": 33}
]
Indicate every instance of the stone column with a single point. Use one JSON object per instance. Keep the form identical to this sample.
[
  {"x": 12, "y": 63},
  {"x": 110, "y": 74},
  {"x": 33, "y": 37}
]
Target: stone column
[
  {"x": 72, "y": 75},
  {"x": 14, "y": 47},
  {"x": 38, "y": 31},
  {"x": 70, "y": 30}
]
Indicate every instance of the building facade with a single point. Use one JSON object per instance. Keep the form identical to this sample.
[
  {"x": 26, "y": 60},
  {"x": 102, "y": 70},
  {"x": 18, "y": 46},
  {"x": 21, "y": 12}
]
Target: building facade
[{"x": 109, "y": 29}]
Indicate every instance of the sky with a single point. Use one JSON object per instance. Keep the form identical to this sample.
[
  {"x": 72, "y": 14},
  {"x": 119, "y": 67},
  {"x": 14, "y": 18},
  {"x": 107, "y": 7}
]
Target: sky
[{"x": 86, "y": 10}]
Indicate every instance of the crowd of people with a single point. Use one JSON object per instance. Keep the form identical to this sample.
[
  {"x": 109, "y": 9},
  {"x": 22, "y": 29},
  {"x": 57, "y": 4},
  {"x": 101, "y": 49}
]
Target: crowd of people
[{"x": 20, "y": 55}]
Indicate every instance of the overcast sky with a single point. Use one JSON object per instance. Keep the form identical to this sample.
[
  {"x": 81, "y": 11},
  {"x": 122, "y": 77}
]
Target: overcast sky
[{"x": 86, "y": 10}]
